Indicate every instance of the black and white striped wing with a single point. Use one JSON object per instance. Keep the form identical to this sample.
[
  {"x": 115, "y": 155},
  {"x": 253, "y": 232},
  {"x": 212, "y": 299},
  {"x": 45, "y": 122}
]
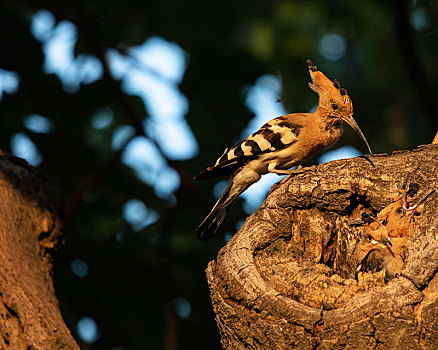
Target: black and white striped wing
[{"x": 275, "y": 135}]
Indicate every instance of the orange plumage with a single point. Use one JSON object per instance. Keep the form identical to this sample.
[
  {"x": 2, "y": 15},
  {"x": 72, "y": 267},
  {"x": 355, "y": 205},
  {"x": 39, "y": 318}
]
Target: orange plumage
[{"x": 279, "y": 145}]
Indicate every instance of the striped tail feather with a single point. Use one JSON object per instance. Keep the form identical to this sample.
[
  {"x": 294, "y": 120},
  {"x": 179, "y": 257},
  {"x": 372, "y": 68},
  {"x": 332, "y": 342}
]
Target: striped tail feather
[{"x": 214, "y": 219}]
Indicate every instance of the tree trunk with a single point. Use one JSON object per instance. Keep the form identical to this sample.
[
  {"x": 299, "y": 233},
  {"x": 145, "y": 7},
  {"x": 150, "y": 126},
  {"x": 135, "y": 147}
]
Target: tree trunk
[
  {"x": 289, "y": 279},
  {"x": 30, "y": 231}
]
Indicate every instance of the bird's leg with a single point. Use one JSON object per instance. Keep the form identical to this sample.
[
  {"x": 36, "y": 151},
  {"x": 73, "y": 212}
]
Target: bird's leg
[{"x": 272, "y": 169}]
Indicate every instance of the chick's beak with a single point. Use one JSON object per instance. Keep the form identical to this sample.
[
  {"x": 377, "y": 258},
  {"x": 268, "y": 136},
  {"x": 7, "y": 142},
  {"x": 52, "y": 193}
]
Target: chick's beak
[
  {"x": 386, "y": 241},
  {"x": 350, "y": 121}
]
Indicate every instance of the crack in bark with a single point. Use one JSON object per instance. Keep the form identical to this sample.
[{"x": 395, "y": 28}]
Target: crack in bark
[{"x": 285, "y": 270}]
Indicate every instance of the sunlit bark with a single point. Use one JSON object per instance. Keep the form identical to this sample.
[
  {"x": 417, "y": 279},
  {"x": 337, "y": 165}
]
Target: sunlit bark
[{"x": 288, "y": 279}]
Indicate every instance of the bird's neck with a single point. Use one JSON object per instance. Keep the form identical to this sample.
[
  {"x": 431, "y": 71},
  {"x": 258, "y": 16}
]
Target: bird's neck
[{"x": 331, "y": 128}]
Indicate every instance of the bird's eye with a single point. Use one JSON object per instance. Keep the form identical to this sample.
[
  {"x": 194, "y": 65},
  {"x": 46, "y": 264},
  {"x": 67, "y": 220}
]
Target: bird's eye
[
  {"x": 400, "y": 212},
  {"x": 334, "y": 106}
]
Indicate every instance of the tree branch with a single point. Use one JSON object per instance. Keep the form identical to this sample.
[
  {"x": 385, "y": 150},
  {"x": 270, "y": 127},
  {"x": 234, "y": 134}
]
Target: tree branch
[
  {"x": 30, "y": 230},
  {"x": 288, "y": 278}
]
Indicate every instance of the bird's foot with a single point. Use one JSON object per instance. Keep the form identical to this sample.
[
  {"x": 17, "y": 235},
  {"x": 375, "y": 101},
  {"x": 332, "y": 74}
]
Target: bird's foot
[{"x": 298, "y": 170}]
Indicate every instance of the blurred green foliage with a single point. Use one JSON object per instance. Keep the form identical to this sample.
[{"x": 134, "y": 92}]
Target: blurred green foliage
[{"x": 388, "y": 67}]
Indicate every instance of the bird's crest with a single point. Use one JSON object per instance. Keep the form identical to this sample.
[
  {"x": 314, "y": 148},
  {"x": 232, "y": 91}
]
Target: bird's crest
[
  {"x": 334, "y": 101},
  {"x": 331, "y": 94}
]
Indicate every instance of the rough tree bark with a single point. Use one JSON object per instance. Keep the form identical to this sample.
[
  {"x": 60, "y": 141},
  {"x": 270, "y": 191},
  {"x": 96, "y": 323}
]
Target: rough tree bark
[
  {"x": 288, "y": 279},
  {"x": 30, "y": 230}
]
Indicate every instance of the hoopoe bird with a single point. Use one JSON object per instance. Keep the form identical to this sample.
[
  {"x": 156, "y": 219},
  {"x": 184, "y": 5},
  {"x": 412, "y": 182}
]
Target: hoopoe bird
[
  {"x": 279, "y": 145},
  {"x": 376, "y": 252},
  {"x": 386, "y": 237}
]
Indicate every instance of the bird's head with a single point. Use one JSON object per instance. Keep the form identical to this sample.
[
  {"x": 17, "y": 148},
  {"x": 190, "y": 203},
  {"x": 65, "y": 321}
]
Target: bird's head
[
  {"x": 373, "y": 240},
  {"x": 376, "y": 236},
  {"x": 334, "y": 101}
]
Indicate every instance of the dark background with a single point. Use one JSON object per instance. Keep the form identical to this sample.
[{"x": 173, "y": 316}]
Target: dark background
[{"x": 139, "y": 283}]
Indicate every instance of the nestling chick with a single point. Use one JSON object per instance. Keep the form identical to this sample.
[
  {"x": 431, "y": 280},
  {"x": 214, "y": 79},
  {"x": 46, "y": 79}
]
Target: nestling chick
[
  {"x": 375, "y": 252},
  {"x": 279, "y": 145},
  {"x": 398, "y": 218},
  {"x": 386, "y": 238}
]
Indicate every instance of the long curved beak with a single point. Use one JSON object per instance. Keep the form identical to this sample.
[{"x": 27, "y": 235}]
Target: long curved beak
[{"x": 350, "y": 121}]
